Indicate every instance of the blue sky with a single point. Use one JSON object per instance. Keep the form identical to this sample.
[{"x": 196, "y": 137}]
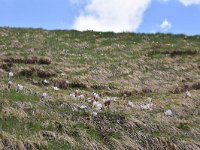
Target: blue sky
[{"x": 149, "y": 16}]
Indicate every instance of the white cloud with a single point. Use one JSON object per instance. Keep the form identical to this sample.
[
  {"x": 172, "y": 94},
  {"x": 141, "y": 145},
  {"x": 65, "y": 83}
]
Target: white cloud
[
  {"x": 165, "y": 25},
  {"x": 190, "y": 2},
  {"x": 111, "y": 15}
]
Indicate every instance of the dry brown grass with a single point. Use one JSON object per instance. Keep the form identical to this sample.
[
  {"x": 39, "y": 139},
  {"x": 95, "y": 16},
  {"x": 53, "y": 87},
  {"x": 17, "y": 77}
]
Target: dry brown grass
[{"x": 125, "y": 67}]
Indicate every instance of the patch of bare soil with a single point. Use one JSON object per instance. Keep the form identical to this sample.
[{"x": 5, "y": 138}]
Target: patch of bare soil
[
  {"x": 33, "y": 60},
  {"x": 29, "y": 72},
  {"x": 186, "y": 87},
  {"x": 173, "y": 53}
]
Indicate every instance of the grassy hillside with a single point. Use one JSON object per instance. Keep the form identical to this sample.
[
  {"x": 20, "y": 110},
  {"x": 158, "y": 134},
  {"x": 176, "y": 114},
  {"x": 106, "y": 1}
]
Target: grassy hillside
[{"x": 125, "y": 67}]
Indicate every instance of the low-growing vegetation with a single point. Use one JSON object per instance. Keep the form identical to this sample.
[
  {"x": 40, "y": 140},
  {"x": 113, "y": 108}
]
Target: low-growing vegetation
[{"x": 98, "y": 90}]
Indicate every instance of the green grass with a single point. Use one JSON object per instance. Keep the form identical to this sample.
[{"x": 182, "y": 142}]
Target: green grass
[
  {"x": 94, "y": 134},
  {"x": 22, "y": 129},
  {"x": 184, "y": 126},
  {"x": 116, "y": 136},
  {"x": 13, "y": 95},
  {"x": 52, "y": 145},
  {"x": 90, "y": 130}
]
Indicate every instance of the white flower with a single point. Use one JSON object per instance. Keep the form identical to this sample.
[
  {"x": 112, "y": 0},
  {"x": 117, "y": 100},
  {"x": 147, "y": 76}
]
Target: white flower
[
  {"x": 146, "y": 106},
  {"x": 94, "y": 113},
  {"x": 188, "y": 94},
  {"x": 149, "y": 99},
  {"x": 67, "y": 82},
  {"x": 10, "y": 74},
  {"x": 83, "y": 107},
  {"x": 89, "y": 100},
  {"x": 108, "y": 99},
  {"x": 19, "y": 87},
  {"x": 10, "y": 82},
  {"x": 44, "y": 95},
  {"x": 45, "y": 81},
  {"x": 77, "y": 92},
  {"x": 56, "y": 88},
  {"x": 130, "y": 104},
  {"x": 97, "y": 105},
  {"x": 81, "y": 97},
  {"x": 168, "y": 112},
  {"x": 95, "y": 96},
  {"x": 72, "y": 95}
]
